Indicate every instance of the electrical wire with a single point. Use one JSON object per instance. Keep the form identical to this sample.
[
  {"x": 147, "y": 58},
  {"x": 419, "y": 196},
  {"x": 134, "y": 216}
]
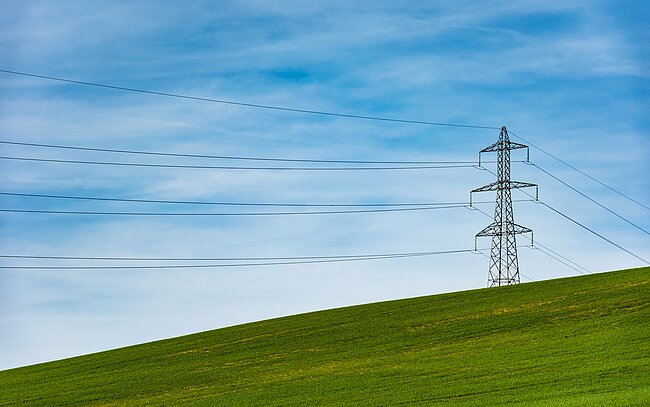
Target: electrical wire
[
  {"x": 254, "y": 105},
  {"x": 274, "y": 258},
  {"x": 313, "y": 161},
  {"x": 279, "y": 263},
  {"x": 223, "y": 157},
  {"x": 537, "y": 243},
  {"x": 581, "y": 225},
  {"x": 353, "y": 116},
  {"x": 117, "y": 213},
  {"x": 593, "y": 232},
  {"x": 225, "y": 167},
  {"x": 581, "y": 172},
  {"x": 589, "y": 198},
  {"x": 267, "y": 204},
  {"x": 569, "y": 263},
  {"x": 556, "y": 258}
]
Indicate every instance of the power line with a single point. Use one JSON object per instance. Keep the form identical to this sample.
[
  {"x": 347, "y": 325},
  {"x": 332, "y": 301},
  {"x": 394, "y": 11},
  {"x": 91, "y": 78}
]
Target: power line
[
  {"x": 225, "y": 167},
  {"x": 584, "y": 270},
  {"x": 223, "y": 157},
  {"x": 589, "y": 198},
  {"x": 581, "y": 172},
  {"x": 593, "y": 232},
  {"x": 556, "y": 258},
  {"x": 267, "y": 204},
  {"x": 116, "y": 213},
  {"x": 537, "y": 243},
  {"x": 297, "y": 160},
  {"x": 353, "y": 116},
  {"x": 199, "y": 259},
  {"x": 254, "y": 105},
  {"x": 279, "y": 263},
  {"x": 583, "y": 226}
]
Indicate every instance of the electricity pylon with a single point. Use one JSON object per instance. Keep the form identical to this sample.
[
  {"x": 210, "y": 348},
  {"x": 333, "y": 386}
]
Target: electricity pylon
[{"x": 504, "y": 266}]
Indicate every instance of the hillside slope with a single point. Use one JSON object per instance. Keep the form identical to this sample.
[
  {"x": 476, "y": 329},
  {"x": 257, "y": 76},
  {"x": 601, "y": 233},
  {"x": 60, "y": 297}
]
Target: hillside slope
[{"x": 575, "y": 341}]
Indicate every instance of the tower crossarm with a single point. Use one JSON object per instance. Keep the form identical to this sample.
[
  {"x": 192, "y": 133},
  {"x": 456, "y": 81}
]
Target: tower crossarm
[
  {"x": 497, "y": 185},
  {"x": 519, "y": 184},
  {"x": 494, "y": 230},
  {"x": 503, "y": 145},
  {"x": 504, "y": 185}
]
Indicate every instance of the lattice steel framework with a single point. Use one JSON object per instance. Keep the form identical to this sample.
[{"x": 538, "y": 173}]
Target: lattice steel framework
[{"x": 504, "y": 265}]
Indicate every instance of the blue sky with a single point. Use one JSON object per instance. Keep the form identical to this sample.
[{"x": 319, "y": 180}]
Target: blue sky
[{"x": 570, "y": 77}]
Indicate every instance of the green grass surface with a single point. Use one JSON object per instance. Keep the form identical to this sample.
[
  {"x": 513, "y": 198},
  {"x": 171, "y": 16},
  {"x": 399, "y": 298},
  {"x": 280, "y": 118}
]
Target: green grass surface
[{"x": 581, "y": 341}]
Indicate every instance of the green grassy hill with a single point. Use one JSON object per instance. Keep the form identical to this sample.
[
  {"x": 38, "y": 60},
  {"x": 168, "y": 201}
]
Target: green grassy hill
[{"x": 581, "y": 341}]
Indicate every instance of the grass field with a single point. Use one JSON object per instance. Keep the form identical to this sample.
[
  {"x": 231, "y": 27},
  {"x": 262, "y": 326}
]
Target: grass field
[{"x": 581, "y": 341}]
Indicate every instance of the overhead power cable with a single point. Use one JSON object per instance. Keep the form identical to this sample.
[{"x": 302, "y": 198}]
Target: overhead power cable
[
  {"x": 335, "y": 259},
  {"x": 593, "y": 232},
  {"x": 203, "y": 259},
  {"x": 334, "y": 114},
  {"x": 267, "y": 204},
  {"x": 244, "y": 104},
  {"x": 581, "y": 172},
  {"x": 580, "y": 224},
  {"x": 554, "y": 257},
  {"x": 197, "y": 214},
  {"x": 225, "y": 167},
  {"x": 557, "y": 256},
  {"x": 589, "y": 198},
  {"x": 224, "y": 157}
]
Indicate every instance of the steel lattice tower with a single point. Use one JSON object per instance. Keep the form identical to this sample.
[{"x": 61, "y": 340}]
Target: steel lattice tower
[{"x": 504, "y": 266}]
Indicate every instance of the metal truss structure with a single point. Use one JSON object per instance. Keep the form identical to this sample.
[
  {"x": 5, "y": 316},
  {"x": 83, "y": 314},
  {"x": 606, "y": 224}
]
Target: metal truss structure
[{"x": 504, "y": 265}]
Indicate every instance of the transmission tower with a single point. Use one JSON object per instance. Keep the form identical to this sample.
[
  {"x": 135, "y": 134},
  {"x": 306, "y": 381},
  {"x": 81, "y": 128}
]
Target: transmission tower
[{"x": 504, "y": 266}]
